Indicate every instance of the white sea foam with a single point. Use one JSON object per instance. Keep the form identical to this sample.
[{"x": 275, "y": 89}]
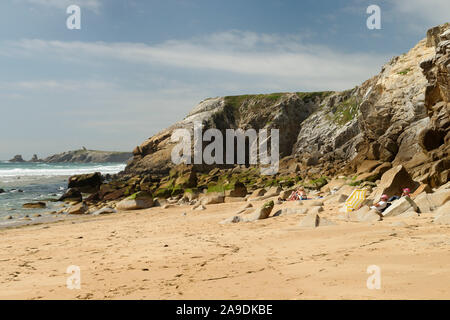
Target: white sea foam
[{"x": 52, "y": 171}]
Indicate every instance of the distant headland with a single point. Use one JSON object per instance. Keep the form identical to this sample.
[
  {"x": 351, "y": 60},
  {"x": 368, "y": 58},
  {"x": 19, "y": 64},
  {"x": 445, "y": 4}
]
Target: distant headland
[{"x": 79, "y": 156}]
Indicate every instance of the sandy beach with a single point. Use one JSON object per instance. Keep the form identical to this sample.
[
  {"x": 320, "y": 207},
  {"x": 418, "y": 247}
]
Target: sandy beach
[{"x": 178, "y": 253}]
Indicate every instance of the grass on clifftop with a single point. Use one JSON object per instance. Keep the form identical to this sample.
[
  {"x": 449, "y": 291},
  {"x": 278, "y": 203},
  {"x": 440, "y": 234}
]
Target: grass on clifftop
[
  {"x": 346, "y": 111},
  {"x": 308, "y": 96},
  {"x": 237, "y": 101}
]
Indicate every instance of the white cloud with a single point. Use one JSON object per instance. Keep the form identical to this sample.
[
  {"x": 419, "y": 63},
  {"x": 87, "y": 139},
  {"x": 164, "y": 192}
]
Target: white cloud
[
  {"x": 55, "y": 86},
  {"x": 433, "y": 12},
  {"x": 93, "y": 5},
  {"x": 283, "y": 59}
]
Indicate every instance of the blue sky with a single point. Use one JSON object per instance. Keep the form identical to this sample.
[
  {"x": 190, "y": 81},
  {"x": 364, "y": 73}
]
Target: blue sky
[{"x": 137, "y": 66}]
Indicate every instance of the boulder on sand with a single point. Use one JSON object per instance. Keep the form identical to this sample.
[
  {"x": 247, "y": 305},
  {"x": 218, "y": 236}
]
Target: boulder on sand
[
  {"x": 443, "y": 214},
  {"x": 212, "y": 198},
  {"x": 439, "y": 198},
  {"x": 313, "y": 220},
  {"x": 139, "y": 200},
  {"x": 394, "y": 181},
  {"x": 262, "y": 213},
  {"x": 34, "y": 205},
  {"x": 400, "y": 206},
  {"x": 258, "y": 193},
  {"x": 104, "y": 210},
  {"x": 285, "y": 194},
  {"x": 239, "y": 190},
  {"x": 289, "y": 211},
  {"x": 272, "y": 192},
  {"x": 363, "y": 214},
  {"x": 71, "y": 195},
  {"x": 87, "y": 183},
  {"x": 423, "y": 202},
  {"x": 80, "y": 208}
]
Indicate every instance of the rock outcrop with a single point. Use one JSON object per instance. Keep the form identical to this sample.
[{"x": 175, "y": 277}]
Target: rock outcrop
[
  {"x": 399, "y": 116},
  {"x": 89, "y": 156},
  {"x": 17, "y": 158}
]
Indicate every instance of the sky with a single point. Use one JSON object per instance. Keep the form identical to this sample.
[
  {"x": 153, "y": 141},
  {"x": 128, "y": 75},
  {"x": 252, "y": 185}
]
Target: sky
[{"x": 137, "y": 66}]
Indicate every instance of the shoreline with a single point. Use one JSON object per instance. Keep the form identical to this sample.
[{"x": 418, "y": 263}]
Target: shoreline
[{"x": 162, "y": 253}]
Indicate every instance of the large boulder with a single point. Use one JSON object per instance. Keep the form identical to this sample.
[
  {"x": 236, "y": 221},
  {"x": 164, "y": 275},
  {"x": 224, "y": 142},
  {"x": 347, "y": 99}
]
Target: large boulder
[
  {"x": 290, "y": 211},
  {"x": 272, "y": 192},
  {"x": 258, "y": 193},
  {"x": 212, "y": 198},
  {"x": 394, "y": 181},
  {"x": 34, "y": 205},
  {"x": 238, "y": 190},
  {"x": 400, "y": 206},
  {"x": 139, "y": 200},
  {"x": 439, "y": 198},
  {"x": 87, "y": 183},
  {"x": 262, "y": 213},
  {"x": 423, "y": 202},
  {"x": 313, "y": 220},
  {"x": 443, "y": 214},
  {"x": 71, "y": 195},
  {"x": 80, "y": 208}
]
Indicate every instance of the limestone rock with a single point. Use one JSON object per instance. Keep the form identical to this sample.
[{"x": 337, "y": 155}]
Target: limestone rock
[
  {"x": 400, "y": 206},
  {"x": 285, "y": 194},
  {"x": 443, "y": 214},
  {"x": 290, "y": 211},
  {"x": 312, "y": 220},
  {"x": 258, "y": 193},
  {"x": 422, "y": 188},
  {"x": 140, "y": 200},
  {"x": 71, "y": 194},
  {"x": 234, "y": 199},
  {"x": 212, "y": 198},
  {"x": 34, "y": 205},
  {"x": 104, "y": 210},
  {"x": 439, "y": 198},
  {"x": 87, "y": 183},
  {"x": 263, "y": 212},
  {"x": 394, "y": 181},
  {"x": 80, "y": 208},
  {"x": 315, "y": 209},
  {"x": 239, "y": 190},
  {"x": 272, "y": 192}
]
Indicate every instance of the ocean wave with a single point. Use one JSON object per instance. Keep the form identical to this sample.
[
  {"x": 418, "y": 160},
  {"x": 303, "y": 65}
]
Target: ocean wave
[{"x": 51, "y": 171}]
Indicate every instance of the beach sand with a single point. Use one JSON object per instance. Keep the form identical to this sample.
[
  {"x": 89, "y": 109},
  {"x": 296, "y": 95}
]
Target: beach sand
[{"x": 164, "y": 254}]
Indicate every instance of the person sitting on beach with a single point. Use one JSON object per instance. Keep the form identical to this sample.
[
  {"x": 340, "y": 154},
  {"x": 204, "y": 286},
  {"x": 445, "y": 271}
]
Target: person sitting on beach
[
  {"x": 406, "y": 192},
  {"x": 381, "y": 205},
  {"x": 298, "y": 194},
  {"x": 302, "y": 194}
]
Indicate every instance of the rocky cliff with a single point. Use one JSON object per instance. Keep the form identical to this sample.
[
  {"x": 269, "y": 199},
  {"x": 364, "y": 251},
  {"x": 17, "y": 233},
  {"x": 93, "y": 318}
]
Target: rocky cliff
[{"x": 400, "y": 116}]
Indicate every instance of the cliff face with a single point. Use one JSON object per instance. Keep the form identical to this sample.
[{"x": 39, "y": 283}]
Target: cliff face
[
  {"x": 284, "y": 111},
  {"x": 400, "y": 116}
]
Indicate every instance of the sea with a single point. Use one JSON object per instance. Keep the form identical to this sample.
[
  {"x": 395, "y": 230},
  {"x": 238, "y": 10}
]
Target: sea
[{"x": 32, "y": 182}]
